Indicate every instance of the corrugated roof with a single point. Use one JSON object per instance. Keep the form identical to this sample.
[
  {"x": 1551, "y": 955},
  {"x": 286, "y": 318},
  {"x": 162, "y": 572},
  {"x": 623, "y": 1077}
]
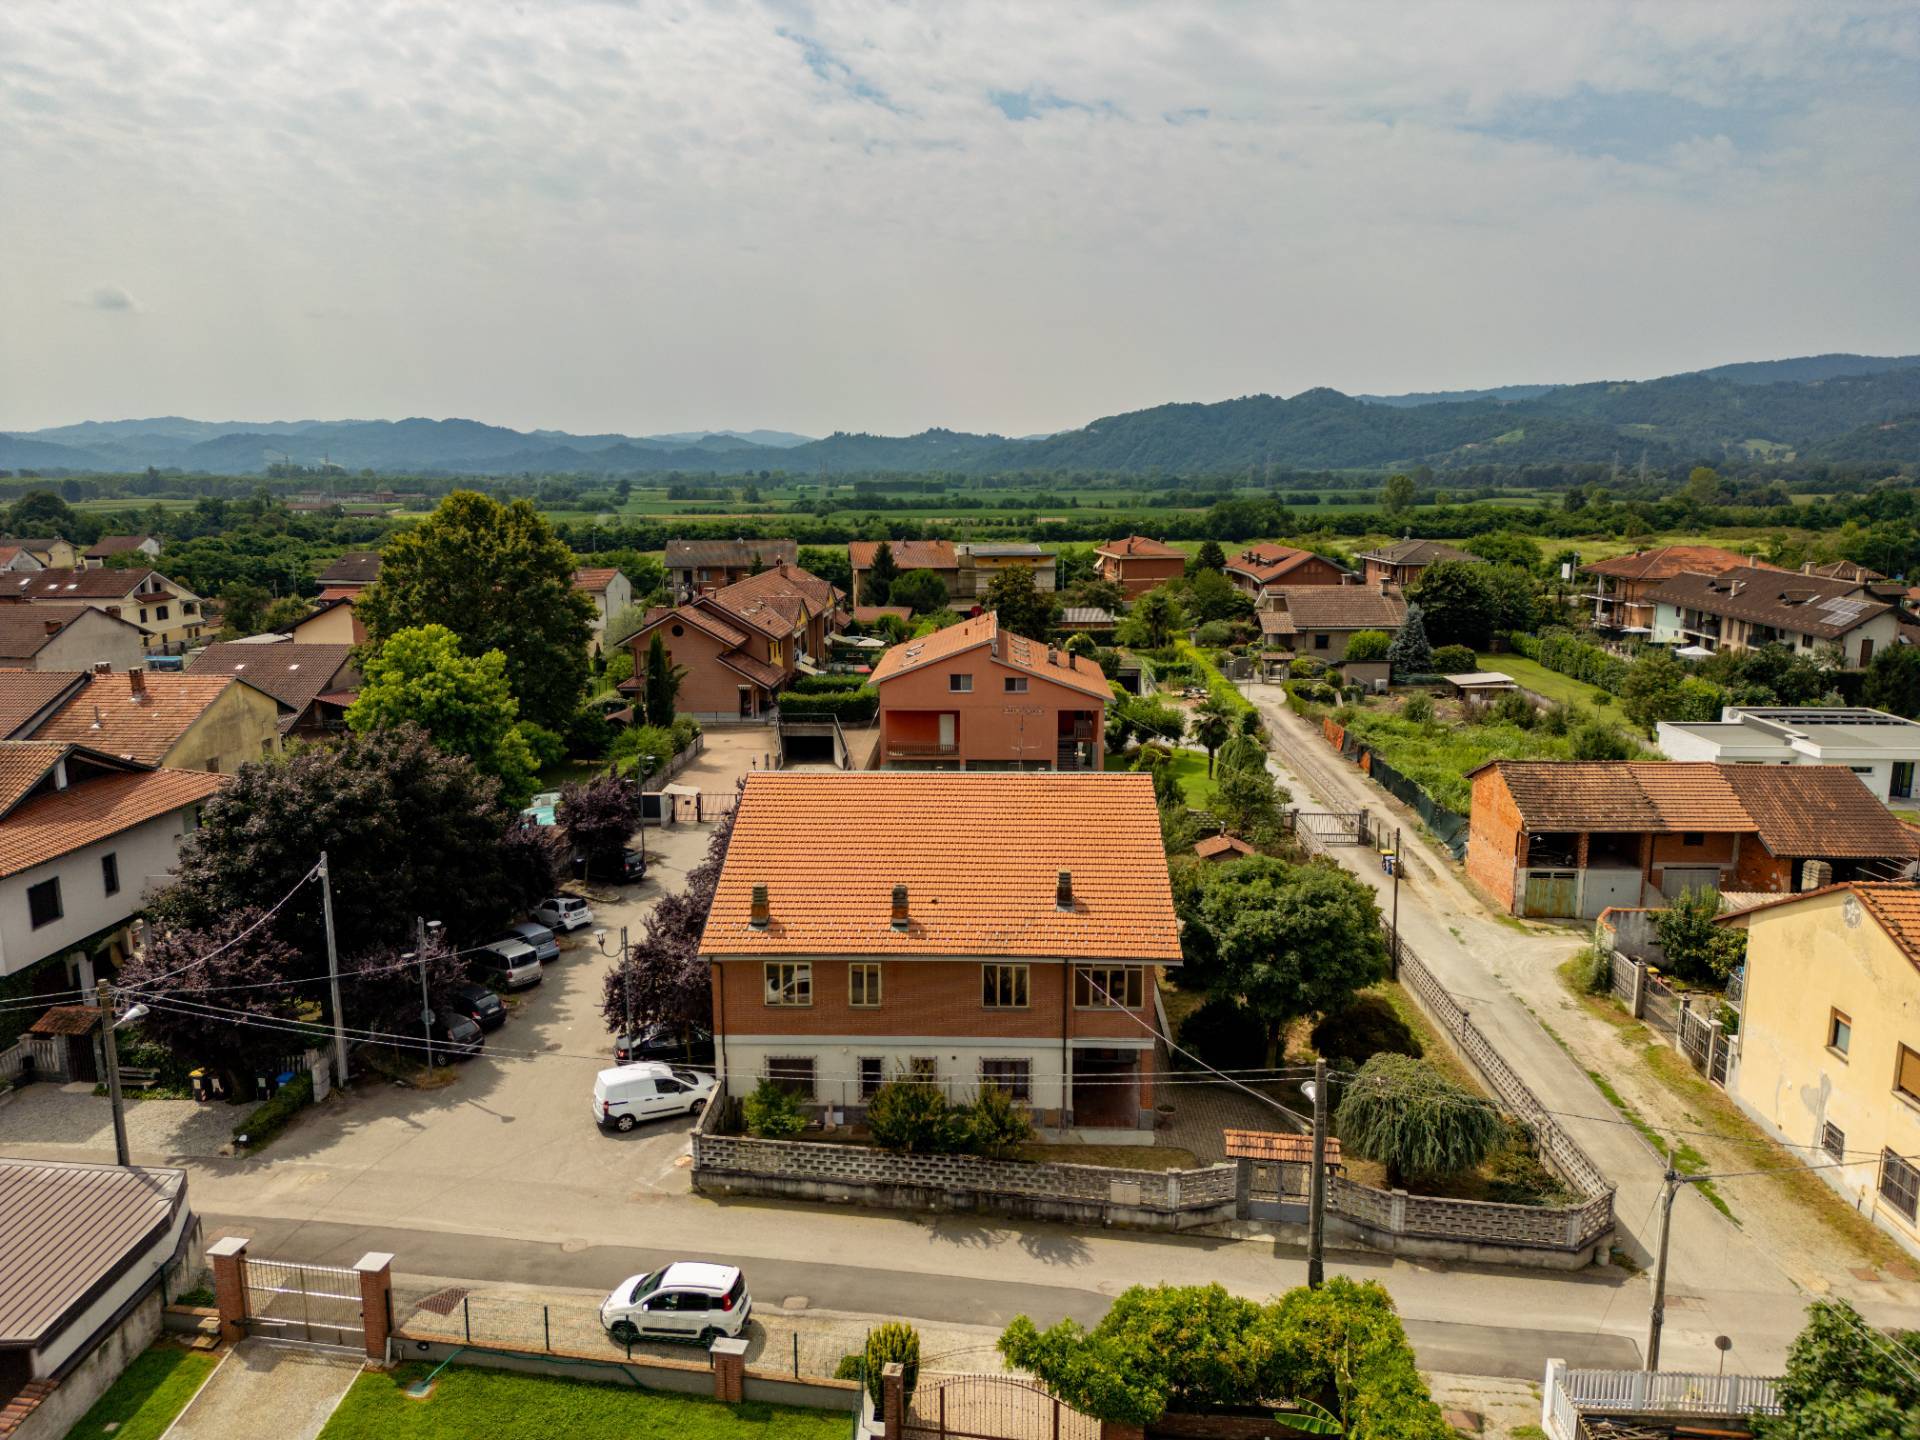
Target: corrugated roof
[
  {"x": 66, "y": 1228},
  {"x": 907, "y": 554},
  {"x": 108, "y": 714},
  {"x": 1031, "y": 656},
  {"x": 295, "y": 673},
  {"x": 58, "y": 821},
  {"x": 978, "y": 853}
]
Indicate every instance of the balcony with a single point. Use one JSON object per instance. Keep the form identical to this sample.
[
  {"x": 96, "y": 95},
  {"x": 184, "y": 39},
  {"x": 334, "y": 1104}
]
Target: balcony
[{"x": 934, "y": 751}]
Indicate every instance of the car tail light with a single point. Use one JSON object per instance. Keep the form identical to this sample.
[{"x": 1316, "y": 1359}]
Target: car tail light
[
  {"x": 606, "y": 1107},
  {"x": 726, "y": 1302}
]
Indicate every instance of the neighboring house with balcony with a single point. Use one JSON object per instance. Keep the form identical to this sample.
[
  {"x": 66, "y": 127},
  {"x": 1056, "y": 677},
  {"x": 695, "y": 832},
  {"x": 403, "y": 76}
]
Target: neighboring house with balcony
[
  {"x": 1745, "y": 609},
  {"x": 1828, "y": 1059},
  {"x": 1569, "y": 839},
  {"x": 214, "y": 722},
  {"x": 1260, "y": 570},
  {"x": 1623, "y": 586},
  {"x": 53, "y": 636},
  {"x": 974, "y": 697},
  {"x": 935, "y": 555},
  {"x": 1405, "y": 561},
  {"x": 980, "y": 563},
  {"x": 84, "y": 837},
  {"x": 314, "y": 684},
  {"x": 966, "y": 930},
  {"x": 1138, "y": 564},
  {"x": 1319, "y": 620},
  {"x": 1880, "y": 748},
  {"x": 695, "y": 567},
  {"x": 167, "y": 613},
  {"x": 610, "y": 591},
  {"x": 108, "y": 547}
]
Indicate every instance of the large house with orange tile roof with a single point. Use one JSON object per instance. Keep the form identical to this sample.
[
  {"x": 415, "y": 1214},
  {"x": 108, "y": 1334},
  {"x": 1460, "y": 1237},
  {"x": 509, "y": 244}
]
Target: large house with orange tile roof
[
  {"x": 1569, "y": 839},
  {"x": 976, "y": 697},
  {"x": 1623, "y": 586},
  {"x": 1138, "y": 564},
  {"x": 938, "y": 556},
  {"x": 182, "y": 720},
  {"x": 167, "y": 614},
  {"x": 85, "y": 838},
  {"x": 610, "y": 591},
  {"x": 967, "y": 930},
  {"x": 742, "y": 643},
  {"x": 695, "y": 567},
  {"x": 1827, "y": 1058},
  {"x": 1259, "y": 570}
]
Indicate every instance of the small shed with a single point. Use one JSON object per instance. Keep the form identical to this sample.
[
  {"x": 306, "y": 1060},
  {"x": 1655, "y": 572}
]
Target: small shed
[
  {"x": 72, "y": 1026},
  {"x": 1220, "y": 848},
  {"x": 1481, "y": 685},
  {"x": 1088, "y": 618}
]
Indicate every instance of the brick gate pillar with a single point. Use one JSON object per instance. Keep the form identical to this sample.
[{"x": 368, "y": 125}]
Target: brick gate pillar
[
  {"x": 893, "y": 1399},
  {"x": 375, "y": 1270},
  {"x": 729, "y": 1371},
  {"x": 228, "y": 1259}
]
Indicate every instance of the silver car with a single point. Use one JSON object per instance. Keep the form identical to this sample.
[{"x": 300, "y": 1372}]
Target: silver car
[
  {"x": 538, "y": 936},
  {"x": 563, "y": 912}
]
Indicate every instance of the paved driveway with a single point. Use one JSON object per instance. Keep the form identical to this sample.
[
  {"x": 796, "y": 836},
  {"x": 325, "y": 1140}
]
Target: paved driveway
[{"x": 264, "y": 1391}]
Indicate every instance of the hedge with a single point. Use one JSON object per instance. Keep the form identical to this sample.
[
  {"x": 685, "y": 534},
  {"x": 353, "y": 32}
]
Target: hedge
[
  {"x": 850, "y": 706},
  {"x": 1561, "y": 650},
  {"x": 1218, "y": 686},
  {"x": 826, "y": 684},
  {"x": 268, "y": 1120}
]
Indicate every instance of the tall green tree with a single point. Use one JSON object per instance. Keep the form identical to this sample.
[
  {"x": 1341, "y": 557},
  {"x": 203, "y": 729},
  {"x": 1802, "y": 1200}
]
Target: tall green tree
[
  {"x": 243, "y": 608},
  {"x": 1210, "y": 557},
  {"x": 662, "y": 683},
  {"x": 1456, "y": 602},
  {"x": 1893, "y": 681},
  {"x": 1021, "y": 605},
  {"x": 1847, "y": 1381},
  {"x": 41, "y": 514},
  {"x": 420, "y": 677},
  {"x": 1155, "y": 617},
  {"x": 1397, "y": 494},
  {"x": 1212, "y": 727},
  {"x": 1403, "y": 1113},
  {"x": 500, "y": 579},
  {"x": 877, "y": 587},
  {"x": 1411, "y": 652},
  {"x": 921, "y": 591}
]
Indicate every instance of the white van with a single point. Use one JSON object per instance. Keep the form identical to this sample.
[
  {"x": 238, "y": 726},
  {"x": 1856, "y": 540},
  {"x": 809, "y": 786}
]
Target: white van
[
  {"x": 509, "y": 964},
  {"x": 628, "y": 1094}
]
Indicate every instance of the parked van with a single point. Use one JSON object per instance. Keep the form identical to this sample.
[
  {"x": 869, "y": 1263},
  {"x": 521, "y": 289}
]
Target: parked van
[
  {"x": 510, "y": 964},
  {"x": 628, "y": 1094}
]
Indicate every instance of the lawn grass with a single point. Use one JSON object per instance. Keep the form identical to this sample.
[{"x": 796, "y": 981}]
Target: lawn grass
[
  {"x": 150, "y": 1392},
  {"x": 1190, "y": 766},
  {"x": 1534, "y": 676},
  {"x": 469, "y": 1401}
]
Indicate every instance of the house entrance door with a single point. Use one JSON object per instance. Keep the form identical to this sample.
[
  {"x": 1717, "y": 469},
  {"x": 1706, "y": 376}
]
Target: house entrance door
[{"x": 1901, "y": 787}]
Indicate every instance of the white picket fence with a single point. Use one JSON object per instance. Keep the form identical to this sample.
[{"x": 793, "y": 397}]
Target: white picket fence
[{"x": 1569, "y": 1393}]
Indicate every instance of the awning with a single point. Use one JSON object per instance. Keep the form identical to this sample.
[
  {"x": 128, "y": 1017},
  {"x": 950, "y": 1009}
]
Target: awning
[{"x": 1692, "y": 652}]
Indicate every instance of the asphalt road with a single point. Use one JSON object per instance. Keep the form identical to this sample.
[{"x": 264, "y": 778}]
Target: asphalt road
[{"x": 1460, "y": 1349}]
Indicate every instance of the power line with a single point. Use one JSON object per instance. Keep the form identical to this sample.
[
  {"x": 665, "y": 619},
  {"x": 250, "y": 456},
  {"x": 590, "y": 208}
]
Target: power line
[{"x": 235, "y": 940}]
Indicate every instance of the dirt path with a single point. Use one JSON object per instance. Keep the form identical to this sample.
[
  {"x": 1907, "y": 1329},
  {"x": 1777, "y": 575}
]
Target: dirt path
[{"x": 1506, "y": 972}]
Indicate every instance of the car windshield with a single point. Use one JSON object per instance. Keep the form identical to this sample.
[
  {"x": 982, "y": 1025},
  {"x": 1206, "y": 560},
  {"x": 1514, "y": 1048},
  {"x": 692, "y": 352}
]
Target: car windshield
[{"x": 645, "y": 1285}]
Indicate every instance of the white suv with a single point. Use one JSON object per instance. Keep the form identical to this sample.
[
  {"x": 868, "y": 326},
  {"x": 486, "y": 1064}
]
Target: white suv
[
  {"x": 685, "y": 1301},
  {"x": 563, "y": 912}
]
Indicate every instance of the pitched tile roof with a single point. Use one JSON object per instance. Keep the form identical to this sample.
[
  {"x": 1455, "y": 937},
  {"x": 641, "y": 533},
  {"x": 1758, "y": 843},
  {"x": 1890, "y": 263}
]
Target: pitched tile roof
[
  {"x": 25, "y": 693},
  {"x": 356, "y": 567},
  {"x": 1264, "y": 564},
  {"x": 734, "y": 554},
  {"x": 1669, "y": 560},
  {"x": 978, "y": 853},
  {"x": 1035, "y": 658},
  {"x": 115, "y": 545},
  {"x": 107, "y": 714},
  {"x": 12, "y": 552},
  {"x": 907, "y": 554},
  {"x": 766, "y": 676},
  {"x": 1221, "y": 845},
  {"x": 59, "y": 821},
  {"x": 702, "y": 620},
  {"x": 294, "y": 673},
  {"x": 1275, "y": 1145},
  {"x": 1806, "y": 604},
  {"x": 593, "y": 580},
  {"x": 1140, "y": 547},
  {"x": 1842, "y": 570},
  {"x": 66, "y": 1020},
  {"x": 1337, "y": 607},
  {"x": 1894, "y": 903},
  {"x": 1418, "y": 552},
  {"x": 1798, "y": 811},
  {"x": 22, "y": 764},
  {"x": 102, "y": 584},
  {"x": 784, "y": 581}
]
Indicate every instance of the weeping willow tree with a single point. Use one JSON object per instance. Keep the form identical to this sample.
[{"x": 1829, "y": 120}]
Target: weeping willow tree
[{"x": 1409, "y": 1117}]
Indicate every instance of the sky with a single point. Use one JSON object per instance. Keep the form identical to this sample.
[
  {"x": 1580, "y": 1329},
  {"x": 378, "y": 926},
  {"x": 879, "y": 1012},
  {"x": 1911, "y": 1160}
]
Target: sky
[{"x": 1012, "y": 216}]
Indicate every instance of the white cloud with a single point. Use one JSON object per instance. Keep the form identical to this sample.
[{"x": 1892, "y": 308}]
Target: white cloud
[{"x": 603, "y": 216}]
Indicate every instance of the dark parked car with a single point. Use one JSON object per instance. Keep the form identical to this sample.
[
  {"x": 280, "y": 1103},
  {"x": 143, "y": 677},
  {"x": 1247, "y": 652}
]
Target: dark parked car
[
  {"x": 478, "y": 1004},
  {"x": 456, "y": 1036},
  {"x": 629, "y": 869},
  {"x": 665, "y": 1042}
]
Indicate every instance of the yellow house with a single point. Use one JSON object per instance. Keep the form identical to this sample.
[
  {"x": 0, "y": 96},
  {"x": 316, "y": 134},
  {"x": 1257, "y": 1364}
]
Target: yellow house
[
  {"x": 1829, "y": 1048},
  {"x": 182, "y": 721},
  {"x": 331, "y": 622}
]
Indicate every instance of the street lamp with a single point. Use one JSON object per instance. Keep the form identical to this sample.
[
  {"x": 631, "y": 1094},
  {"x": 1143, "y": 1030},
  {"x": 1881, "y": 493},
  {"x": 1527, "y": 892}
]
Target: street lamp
[
  {"x": 626, "y": 980},
  {"x": 422, "y": 929},
  {"x": 109, "y": 1023},
  {"x": 646, "y": 773}
]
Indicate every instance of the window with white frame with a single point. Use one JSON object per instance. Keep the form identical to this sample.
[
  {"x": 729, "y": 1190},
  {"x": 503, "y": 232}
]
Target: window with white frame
[
  {"x": 863, "y": 985},
  {"x": 1109, "y": 987},
  {"x": 1015, "y": 1077},
  {"x": 1004, "y": 987},
  {"x": 789, "y": 982},
  {"x": 960, "y": 684}
]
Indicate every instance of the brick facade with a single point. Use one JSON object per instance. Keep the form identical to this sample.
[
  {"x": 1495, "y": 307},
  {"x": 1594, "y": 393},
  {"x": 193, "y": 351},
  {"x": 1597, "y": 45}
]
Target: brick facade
[{"x": 1494, "y": 839}]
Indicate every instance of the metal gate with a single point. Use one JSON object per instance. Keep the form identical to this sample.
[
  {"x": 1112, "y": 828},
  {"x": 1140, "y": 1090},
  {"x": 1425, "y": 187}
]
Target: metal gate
[
  {"x": 1333, "y": 827},
  {"x": 992, "y": 1407},
  {"x": 1551, "y": 894},
  {"x": 317, "y": 1304}
]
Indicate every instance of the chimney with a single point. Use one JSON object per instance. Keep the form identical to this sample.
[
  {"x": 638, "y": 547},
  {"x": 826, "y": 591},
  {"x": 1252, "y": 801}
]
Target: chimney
[
  {"x": 1815, "y": 873},
  {"x": 103, "y": 667},
  {"x": 760, "y": 915},
  {"x": 900, "y": 907},
  {"x": 1063, "y": 891},
  {"x": 1053, "y": 655},
  {"x": 52, "y": 626},
  {"x": 99, "y": 721},
  {"x": 138, "y": 680},
  {"x": 1386, "y": 585}
]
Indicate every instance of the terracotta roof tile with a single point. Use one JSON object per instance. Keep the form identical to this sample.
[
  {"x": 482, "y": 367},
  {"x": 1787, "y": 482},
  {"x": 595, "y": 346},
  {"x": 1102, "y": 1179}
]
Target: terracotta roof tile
[
  {"x": 1806, "y": 604},
  {"x": 77, "y": 584},
  {"x": 1016, "y": 651},
  {"x": 104, "y": 715},
  {"x": 1895, "y": 904},
  {"x": 1418, "y": 552},
  {"x": 732, "y": 554},
  {"x": 1139, "y": 546},
  {"x": 1821, "y": 811},
  {"x": 295, "y": 673},
  {"x": 700, "y": 620},
  {"x": 593, "y": 580},
  {"x": 52, "y": 824},
  {"x": 1264, "y": 564},
  {"x": 1271, "y": 1145},
  {"x": 1221, "y": 845},
  {"x": 978, "y": 854},
  {"x": 25, "y": 693},
  {"x": 67, "y": 1020},
  {"x": 1669, "y": 560},
  {"x": 1342, "y": 607},
  {"x": 22, "y": 763},
  {"x": 907, "y": 554}
]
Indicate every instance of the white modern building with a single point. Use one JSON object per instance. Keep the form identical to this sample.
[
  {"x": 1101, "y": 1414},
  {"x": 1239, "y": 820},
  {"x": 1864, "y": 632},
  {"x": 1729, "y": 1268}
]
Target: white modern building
[{"x": 1880, "y": 748}]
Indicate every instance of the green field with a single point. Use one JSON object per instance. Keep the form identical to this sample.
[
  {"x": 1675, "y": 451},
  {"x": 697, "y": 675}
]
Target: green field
[
  {"x": 150, "y": 1392},
  {"x": 1536, "y": 677},
  {"x": 1191, "y": 768},
  {"x": 469, "y": 1401}
]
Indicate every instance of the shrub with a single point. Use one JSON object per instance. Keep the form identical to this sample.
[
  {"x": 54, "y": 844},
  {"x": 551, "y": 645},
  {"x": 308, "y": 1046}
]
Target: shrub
[
  {"x": 1455, "y": 659},
  {"x": 269, "y": 1119},
  {"x": 1513, "y": 708},
  {"x": 771, "y": 1113},
  {"x": 1305, "y": 667},
  {"x": 1225, "y": 1034},
  {"x": 995, "y": 1125},
  {"x": 1562, "y": 650},
  {"x": 1408, "y": 1116},
  {"x": 826, "y": 684},
  {"x": 1368, "y": 645},
  {"x": 1697, "y": 950},
  {"x": 639, "y": 740},
  {"x": 1216, "y": 633},
  {"x": 686, "y": 730},
  {"x": 1597, "y": 740},
  {"x": 911, "y": 1117},
  {"x": 854, "y": 707},
  {"x": 1593, "y": 971},
  {"x": 1515, "y": 1175},
  {"x": 893, "y": 1343},
  {"x": 1418, "y": 709},
  {"x": 1369, "y": 1026},
  {"x": 851, "y": 1367}
]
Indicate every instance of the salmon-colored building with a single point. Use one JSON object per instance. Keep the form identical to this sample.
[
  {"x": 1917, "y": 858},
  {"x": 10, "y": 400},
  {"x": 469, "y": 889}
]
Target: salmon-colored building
[
  {"x": 1137, "y": 564},
  {"x": 740, "y": 645},
  {"x": 974, "y": 697},
  {"x": 1569, "y": 839},
  {"x": 966, "y": 930},
  {"x": 1261, "y": 569}
]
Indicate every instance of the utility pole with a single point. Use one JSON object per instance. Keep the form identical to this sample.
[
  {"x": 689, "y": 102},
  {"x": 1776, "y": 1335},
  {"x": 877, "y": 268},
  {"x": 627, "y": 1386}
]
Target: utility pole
[
  {"x": 333, "y": 972},
  {"x": 1393, "y": 963},
  {"x": 426, "y": 1009},
  {"x": 1674, "y": 1180},
  {"x": 1317, "y": 1180},
  {"x": 103, "y": 994}
]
